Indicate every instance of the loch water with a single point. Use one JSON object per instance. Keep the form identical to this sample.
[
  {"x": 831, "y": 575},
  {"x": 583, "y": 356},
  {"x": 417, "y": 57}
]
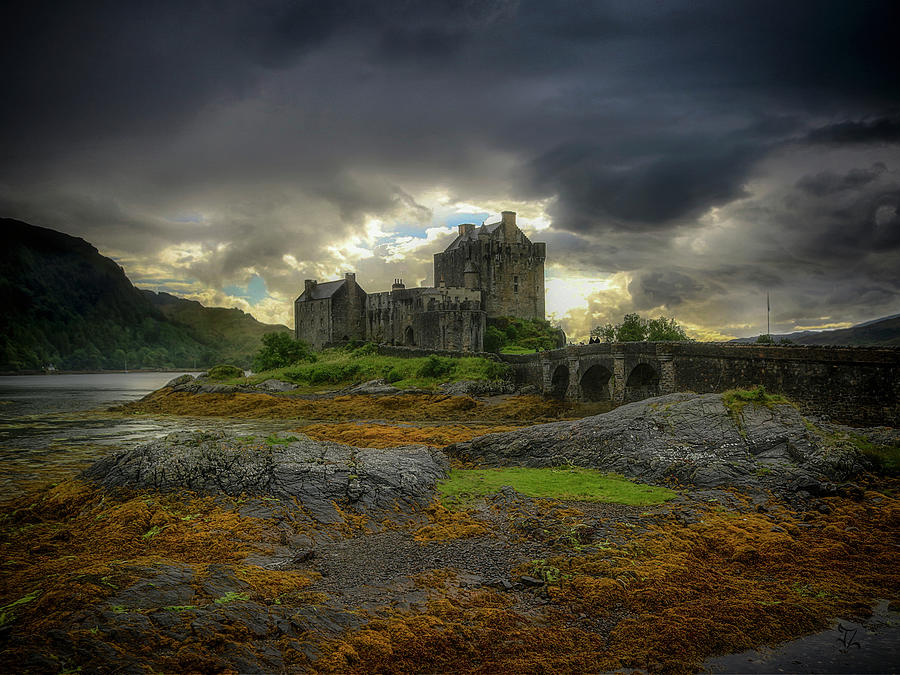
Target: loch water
[{"x": 53, "y": 426}]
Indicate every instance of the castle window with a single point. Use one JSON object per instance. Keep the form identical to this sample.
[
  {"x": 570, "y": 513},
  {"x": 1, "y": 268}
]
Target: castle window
[{"x": 515, "y": 284}]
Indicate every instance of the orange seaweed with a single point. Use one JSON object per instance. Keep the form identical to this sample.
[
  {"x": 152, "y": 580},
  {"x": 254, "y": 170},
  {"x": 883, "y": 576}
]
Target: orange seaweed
[
  {"x": 401, "y": 407},
  {"x": 669, "y": 597},
  {"x": 446, "y": 524},
  {"x": 378, "y": 435}
]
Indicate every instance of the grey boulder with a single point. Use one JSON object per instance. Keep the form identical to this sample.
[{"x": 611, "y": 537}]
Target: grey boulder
[
  {"x": 691, "y": 438},
  {"x": 318, "y": 474}
]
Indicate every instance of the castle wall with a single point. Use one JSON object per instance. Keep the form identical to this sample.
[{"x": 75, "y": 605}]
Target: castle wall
[
  {"x": 509, "y": 269},
  {"x": 430, "y": 318},
  {"x": 348, "y": 306},
  {"x": 390, "y": 314},
  {"x": 312, "y": 322},
  {"x": 450, "y": 330}
]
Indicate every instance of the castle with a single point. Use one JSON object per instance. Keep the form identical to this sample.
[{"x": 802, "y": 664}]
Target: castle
[{"x": 488, "y": 271}]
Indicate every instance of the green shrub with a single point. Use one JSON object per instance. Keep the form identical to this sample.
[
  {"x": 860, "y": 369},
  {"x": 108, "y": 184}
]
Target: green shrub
[
  {"x": 495, "y": 370},
  {"x": 494, "y": 339},
  {"x": 436, "y": 366},
  {"x": 338, "y": 366},
  {"x": 224, "y": 372},
  {"x": 280, "y": 350},
  {"x": 507, "y": 332}
]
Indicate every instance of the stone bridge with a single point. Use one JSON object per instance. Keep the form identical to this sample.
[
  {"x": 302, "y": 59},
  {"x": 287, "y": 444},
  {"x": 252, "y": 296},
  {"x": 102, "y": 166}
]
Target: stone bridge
[{"x": 853, "y": 385}]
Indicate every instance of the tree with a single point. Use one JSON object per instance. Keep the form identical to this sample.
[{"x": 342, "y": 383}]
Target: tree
[
  {"x": 280, "y": 350},
  {"x": 634, "y": 328},
  {"x": 765, "y": 339},
  {"x": 665, "y": 330}
]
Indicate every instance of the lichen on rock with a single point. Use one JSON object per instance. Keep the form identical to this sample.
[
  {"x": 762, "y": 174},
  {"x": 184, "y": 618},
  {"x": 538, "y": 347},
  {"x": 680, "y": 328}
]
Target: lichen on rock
[{"x": 318, "y": 474}]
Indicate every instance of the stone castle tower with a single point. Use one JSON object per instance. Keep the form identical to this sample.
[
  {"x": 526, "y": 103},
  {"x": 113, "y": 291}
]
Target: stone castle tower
[
  {"x": 501, "y": 262},
  {"x": 488, "y": 271}
]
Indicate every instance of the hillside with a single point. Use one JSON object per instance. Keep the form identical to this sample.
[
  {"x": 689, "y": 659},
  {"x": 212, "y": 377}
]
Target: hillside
[
  {"x": 238, "y": 333},
  {"x": 67, "y": 305},
  {"x": 883, "y": 332}
]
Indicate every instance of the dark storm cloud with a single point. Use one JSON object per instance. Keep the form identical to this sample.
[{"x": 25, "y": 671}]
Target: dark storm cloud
[
  {"x": 668, "y": 288},
  {"x": 829, "y": 182},
  {"x": 285, "y": 124},
  {"x": 883, "y": 130},
  {"x": 655, "y": 190}
]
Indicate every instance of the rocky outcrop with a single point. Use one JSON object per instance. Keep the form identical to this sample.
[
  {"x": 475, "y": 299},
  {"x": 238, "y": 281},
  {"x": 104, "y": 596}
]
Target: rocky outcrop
[
  {"x": 379, "y": 387},
  {"x": 274, "y": 385},
  {"x": 691, "y": 438},
  {"x": 318, "y": 474}
]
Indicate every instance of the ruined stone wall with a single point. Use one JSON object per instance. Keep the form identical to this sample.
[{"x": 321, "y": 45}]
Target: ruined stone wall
[{"x": 312, "y": 322}]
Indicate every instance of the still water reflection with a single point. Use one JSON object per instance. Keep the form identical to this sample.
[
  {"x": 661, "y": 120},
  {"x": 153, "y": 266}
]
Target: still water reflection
[{"x": 52, "y": 426}]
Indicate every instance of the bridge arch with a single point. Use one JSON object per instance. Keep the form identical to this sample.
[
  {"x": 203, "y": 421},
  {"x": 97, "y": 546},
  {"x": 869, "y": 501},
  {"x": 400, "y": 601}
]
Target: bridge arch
[
  {"x": 596, "y": 383},
  {"x": 559, "y": 382},
  {"x": 642, "y": 382}
]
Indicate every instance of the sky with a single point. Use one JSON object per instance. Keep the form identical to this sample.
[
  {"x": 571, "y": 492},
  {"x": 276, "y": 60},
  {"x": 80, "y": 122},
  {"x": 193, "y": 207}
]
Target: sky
[{"x": 679, "y": 159}]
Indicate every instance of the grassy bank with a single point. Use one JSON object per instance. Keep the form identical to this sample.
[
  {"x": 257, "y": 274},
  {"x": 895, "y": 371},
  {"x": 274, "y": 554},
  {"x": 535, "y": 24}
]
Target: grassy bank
[{"x": 345, "y": 367}]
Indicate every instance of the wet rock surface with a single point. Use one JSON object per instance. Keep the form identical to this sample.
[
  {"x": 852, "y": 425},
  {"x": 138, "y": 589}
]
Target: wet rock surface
[
  {"x": 317, "y": 473},
  {"x": 276, "y": 385},
  {"x": 691, "y": 438}
]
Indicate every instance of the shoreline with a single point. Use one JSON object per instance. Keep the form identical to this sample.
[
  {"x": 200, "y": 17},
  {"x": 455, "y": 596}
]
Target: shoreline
[{"x": 16, "y": 373}]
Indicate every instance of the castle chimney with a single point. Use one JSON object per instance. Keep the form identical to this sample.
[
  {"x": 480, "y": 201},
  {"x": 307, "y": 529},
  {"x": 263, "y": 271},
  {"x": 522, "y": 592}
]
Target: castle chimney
[
  {"x": 509, "y": 225},
  {"x": 309, "y": 285},
  {"x": 465, "y": 228},
  {"x": 398, "y": 284},
  {"x": 350, "y": 276}
]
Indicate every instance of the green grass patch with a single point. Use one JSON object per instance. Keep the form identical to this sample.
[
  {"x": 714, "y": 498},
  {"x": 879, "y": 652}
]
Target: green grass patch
[
  {"x": 342, "y": 367},
  {"x": 515, "y": 349},
  {"x": 231, "y": 596},
  {"x": 224, "y": 372},
  {"x": 569, "y": 483}
]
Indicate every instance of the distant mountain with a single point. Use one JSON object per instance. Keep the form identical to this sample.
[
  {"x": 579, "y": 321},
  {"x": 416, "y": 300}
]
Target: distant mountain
[
  {"x": 884, "y": 332},
  {"x": 65, "y": 304}
]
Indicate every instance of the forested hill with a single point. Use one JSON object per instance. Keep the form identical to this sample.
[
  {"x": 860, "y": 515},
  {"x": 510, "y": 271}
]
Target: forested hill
[
  {"x": 237, "y": 332},
  {"x": 65, "y": 304}
]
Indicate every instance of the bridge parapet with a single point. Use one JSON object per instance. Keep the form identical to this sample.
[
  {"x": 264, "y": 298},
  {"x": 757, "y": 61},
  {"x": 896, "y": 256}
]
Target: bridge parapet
[{"x": 854, "y": 385}]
